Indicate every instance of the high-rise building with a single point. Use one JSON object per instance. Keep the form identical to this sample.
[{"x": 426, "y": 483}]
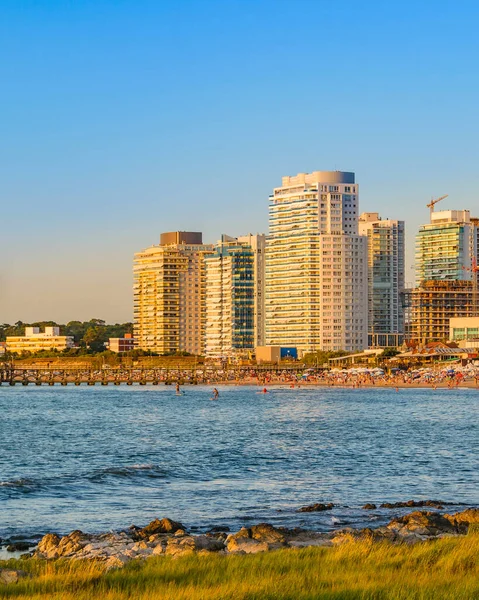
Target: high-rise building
[
  {"x": 446, "y": 275},
  {"x": 257, "y": 243},
  {"x": 446, "y": 247},
  {"x": 385, "y": 279},
  {"x": 169, "y": 294},
  {"x": 316, "y": 264},
  {"x": 230, "y": 299}
]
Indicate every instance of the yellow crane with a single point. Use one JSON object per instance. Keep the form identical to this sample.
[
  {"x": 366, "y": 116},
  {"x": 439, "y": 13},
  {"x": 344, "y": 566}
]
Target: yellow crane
[{"x": 434, "y": 202}]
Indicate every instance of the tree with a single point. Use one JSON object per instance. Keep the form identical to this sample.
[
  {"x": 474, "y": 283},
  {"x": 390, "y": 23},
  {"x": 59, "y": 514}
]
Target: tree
[{"x": 389, "y": 353}]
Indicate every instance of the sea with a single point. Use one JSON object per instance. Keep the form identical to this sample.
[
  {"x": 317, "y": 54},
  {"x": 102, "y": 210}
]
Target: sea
[{"x": 104, "y": 458}]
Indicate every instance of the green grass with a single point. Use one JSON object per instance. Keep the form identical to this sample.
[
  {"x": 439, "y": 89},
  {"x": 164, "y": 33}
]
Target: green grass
[{"x": 447, "y": 568}]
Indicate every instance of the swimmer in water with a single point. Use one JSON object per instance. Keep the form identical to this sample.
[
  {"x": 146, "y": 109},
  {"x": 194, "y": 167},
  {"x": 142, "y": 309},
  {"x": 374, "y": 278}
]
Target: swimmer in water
[
  {"x": 215, "y": 394},
  {"x": 178, "y": 391}
]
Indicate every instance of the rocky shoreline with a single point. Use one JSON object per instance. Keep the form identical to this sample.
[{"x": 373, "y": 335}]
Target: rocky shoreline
[{"x": 165, "y": 537}]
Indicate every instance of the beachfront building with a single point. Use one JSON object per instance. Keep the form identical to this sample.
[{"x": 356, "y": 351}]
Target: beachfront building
[
  {"x": 446, "y": 247},
  {"x": 257, "y": 243},
  {"x": 465, "y": 332},
  {"x": 386, "y": 259},
  {"x": 446, "y": 275},
  {"x": 434, "y": 304},
  {"x": 124, "y": 344},
  {"x": 35, "y": 341},
  {"x": 169, "y": 294},
  {"x": 230, "y": 298},
  {"x": 316, "y": 265}
]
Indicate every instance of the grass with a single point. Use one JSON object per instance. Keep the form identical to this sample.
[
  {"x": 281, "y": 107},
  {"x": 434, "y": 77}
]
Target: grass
[{"x": 446, "y": 568}]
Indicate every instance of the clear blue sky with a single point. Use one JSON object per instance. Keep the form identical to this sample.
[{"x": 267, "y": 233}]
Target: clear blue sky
[{"x": 121, "y": 119}]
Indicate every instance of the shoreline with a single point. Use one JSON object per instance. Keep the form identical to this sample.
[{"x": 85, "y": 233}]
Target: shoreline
[
  {"x": 166, "y": 537},
  {"x": 429, "y": 512}
]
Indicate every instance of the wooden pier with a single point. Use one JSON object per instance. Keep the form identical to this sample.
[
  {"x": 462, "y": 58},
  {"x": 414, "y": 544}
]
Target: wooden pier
[{"x": 14, "y": 375}]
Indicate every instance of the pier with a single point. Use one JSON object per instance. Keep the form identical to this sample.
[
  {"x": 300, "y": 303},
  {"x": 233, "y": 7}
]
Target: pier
[{"x": 15, "y": 375}]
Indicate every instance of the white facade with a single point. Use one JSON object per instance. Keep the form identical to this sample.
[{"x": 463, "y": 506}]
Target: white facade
[
  {"x": 316, "y": 265},
  {"x": 385, "y": 272},
  {"x": 36, "y": 341}
]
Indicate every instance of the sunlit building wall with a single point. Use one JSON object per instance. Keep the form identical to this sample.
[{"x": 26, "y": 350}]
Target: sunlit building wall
[{"x": 316, "y": 264}]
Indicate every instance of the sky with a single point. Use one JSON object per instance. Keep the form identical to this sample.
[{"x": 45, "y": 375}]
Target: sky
[{"x": 122, "y": 119}]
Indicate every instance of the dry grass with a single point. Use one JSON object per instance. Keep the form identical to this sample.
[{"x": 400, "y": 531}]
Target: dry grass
[{"x": 447, "y": 568}]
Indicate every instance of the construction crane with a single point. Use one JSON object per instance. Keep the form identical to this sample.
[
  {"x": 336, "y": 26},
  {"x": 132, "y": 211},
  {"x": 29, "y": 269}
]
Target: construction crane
[
  {"x": 434, "y": 202},
  {"x": 474, "y": 270}
]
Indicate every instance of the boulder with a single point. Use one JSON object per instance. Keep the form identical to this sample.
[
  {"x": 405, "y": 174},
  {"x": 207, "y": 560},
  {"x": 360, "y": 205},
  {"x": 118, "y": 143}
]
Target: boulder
[
  {"x": 19, "y": 546},
  {"x": 259, "y": 538},
  {"x": 243, "y": 545},
  {"x": 115, "y": 562},
  {"x": 422, "y": 523},
  {"x": 160, "y": 526},
  {"x": 318, "y": 507},
  {"x": 369, "y": 506},
  {"x": 264, "y": 532},
  {"x": 48, "y": 545},
  {"x": 8, "y": 576},
  {"x": 192, "y": 544},
  {"x": 462, "y": 520}
]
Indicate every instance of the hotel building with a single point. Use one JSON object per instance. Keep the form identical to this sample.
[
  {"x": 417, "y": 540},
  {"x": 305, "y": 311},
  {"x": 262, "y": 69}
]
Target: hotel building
[
  {"x": 232, "y": 296},
  {"x": 35, "y": 341},
  {"x": 385, "y": 279},
  {"x": 169, "y": 294},
  {"x": 316, "y": 265}
]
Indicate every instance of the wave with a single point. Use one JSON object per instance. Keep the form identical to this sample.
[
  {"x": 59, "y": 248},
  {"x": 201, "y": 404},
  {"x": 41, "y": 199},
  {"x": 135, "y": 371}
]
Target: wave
[
  {"x": 129, "y": 471},
  {"x": 21, "y": 482}
]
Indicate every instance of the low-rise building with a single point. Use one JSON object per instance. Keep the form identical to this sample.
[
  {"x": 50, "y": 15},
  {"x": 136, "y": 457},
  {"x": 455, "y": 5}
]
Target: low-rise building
[
  {"x": 268, "y": 354},
  {"x": 464, "y": 331},
  {"x": 124, "y": 344},
  {"x": 35, "y": 341}
]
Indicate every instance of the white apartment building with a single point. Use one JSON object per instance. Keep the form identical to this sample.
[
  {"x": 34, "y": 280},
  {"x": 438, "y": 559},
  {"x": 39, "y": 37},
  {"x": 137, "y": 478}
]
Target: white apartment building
[
  {"x": 316, "y": 294},
  {"x": 35, "y": 341},
  {"x": 386, "y": 259}
]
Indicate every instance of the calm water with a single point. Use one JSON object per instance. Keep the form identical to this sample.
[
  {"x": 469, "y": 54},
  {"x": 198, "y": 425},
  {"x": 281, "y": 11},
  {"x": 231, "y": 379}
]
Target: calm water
[{"x": 101, "y": 458}]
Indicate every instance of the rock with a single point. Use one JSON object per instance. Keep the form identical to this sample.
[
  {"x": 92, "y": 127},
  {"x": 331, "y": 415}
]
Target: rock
[
  {"x": 243, "y": 545},
  {"x": 367, "y": 534},
  {"x": 369, "y": 506},
  {"x": 115, "y": 562},
  {"x": 414, "y": 504},
  {"x": 470, "y": 515},
  {"x": 8, "y": 576},
  {"x": 264, "y": 532},
  {"x": 192, "y": 544},
  {"x": 462, "y": 520},
  {"x": 160, "y": 526},
  {"x": 258, "y": 538},
  {"x": 48, "y": 545},
  {"x": 19, "y": 546},
  {"x": 180, "y": 533},
  {"x": 219, "y": 529},
  {"x": 318, "y": 507},
  {"x": 422, "y": 523}
]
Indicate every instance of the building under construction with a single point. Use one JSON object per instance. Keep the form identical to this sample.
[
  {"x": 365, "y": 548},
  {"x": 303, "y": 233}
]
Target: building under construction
[{"x": 434, "y": 303}]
